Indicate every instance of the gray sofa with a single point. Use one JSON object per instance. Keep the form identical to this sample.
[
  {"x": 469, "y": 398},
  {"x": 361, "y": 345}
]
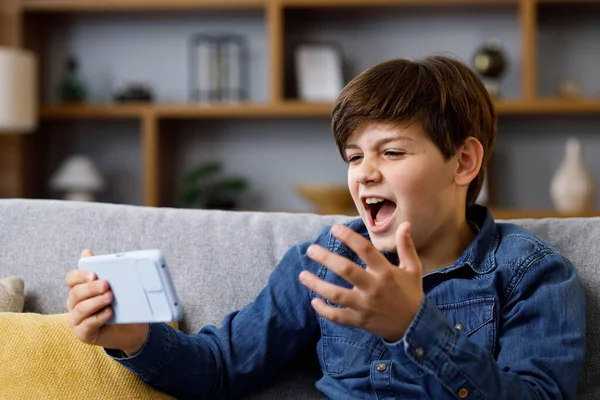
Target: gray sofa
[{"x": 220, "y": 260}]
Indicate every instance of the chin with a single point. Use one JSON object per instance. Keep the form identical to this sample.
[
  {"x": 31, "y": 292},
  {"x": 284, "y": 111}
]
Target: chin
[{"x": 384, "y": 244}]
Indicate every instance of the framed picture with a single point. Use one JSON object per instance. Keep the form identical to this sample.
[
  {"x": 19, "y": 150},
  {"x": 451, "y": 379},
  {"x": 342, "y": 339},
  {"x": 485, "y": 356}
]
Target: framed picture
[{"x": 319, "y": 71}]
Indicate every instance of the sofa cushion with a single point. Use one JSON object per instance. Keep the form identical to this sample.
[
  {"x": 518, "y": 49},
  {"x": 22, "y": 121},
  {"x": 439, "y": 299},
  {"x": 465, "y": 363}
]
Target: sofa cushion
[
  {"x": 42, "y": 358},
  {"x": 12, "y": 294}
]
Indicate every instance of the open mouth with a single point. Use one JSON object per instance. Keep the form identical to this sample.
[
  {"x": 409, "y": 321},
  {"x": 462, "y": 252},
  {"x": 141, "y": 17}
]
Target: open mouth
[{"x": 379, "y": 211}]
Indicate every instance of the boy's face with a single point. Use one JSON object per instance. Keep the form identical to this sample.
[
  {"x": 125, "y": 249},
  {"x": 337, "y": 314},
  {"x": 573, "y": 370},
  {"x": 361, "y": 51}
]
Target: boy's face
[{"x": 402, "y": 166}]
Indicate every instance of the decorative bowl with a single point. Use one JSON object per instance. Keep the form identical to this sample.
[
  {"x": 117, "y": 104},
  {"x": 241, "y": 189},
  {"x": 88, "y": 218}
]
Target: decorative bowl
[{"x": 329, "y": 199}]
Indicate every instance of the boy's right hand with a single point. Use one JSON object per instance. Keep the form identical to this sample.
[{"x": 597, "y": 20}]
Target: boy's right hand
[{"x": 89, "y": 310}]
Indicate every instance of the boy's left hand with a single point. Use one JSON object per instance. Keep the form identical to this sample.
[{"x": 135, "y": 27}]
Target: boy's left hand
[{"x": 385, "y": 297}]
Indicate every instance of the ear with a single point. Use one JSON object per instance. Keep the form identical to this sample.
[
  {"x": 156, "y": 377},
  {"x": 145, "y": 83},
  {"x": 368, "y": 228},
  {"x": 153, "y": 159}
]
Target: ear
[{"x": 469, "y": 159}]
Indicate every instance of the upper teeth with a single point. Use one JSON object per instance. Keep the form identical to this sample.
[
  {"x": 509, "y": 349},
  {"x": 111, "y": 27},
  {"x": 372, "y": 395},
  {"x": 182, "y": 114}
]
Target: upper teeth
[{"x": 373, "y": 200}]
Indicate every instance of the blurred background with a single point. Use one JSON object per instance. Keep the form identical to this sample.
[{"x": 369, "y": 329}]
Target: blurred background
[{"x": 226, "y": 103}]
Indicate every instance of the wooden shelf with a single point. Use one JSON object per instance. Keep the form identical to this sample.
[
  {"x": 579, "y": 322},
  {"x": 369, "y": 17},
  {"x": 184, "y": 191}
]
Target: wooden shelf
[
  {"x": 372, "y": 3},
  {"x": 520, "y": 214},
  {"x": 94, "y": 111},
  {"x": 124, "y": 5},
  {"x": 549, "y": 106},
  {"x": 131, "y": 5},
  {"x": 289, "y": 109},
  {"x": 250, "y": 110},
  {"x": 569, "y": 2},
  {"x": 188, "y": 111}
]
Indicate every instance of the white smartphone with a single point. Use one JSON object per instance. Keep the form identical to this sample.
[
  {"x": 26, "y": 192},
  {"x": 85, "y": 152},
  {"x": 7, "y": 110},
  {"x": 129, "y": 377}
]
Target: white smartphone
[{"x": 143, "y": 291}]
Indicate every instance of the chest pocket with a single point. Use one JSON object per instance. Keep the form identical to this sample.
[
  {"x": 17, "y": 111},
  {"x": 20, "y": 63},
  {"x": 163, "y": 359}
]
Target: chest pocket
[
  {"x": 475, "y": 318},
  {"x": 346, "y": 349}
]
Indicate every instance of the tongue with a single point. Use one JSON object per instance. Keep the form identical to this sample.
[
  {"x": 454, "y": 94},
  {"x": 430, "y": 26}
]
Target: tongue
[{"x": 385, "y": 211}]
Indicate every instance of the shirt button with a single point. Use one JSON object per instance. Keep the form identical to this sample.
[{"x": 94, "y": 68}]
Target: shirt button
[
  {"x": 419, "y": 352},
  {"x": 460, "y": 327},
  {"x": 381, "y": 367},
  {"x": 463, "y": 393}
]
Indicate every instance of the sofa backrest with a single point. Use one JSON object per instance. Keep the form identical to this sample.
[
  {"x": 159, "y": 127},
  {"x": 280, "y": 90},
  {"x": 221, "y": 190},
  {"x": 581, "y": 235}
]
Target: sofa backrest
[{"x": 219, "y": 260}]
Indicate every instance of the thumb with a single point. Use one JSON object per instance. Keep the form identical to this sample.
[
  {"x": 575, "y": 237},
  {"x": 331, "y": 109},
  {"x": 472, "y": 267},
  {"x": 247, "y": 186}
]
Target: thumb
[
  {"x": 407, "y": 253},
  {"x": 87, "y": 253}
]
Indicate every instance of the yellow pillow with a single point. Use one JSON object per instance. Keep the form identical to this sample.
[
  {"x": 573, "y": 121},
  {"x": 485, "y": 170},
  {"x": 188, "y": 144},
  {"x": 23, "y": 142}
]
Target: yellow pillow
[{"x": 41, "y": 358}]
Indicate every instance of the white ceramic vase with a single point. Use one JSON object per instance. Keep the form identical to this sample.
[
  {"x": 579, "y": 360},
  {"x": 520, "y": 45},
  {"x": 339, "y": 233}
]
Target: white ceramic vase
[{"x": 572, "y": 187}]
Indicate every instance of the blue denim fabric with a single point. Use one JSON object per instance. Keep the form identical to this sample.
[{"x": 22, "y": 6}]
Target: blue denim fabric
[{"x": 505, "y": 321}]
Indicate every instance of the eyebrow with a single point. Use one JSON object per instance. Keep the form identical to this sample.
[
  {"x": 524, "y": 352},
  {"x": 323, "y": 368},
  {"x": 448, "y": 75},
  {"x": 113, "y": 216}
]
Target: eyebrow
[{"x": 380, "y": 142}]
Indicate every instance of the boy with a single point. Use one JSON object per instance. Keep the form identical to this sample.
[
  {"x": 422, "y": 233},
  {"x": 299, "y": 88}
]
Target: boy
[{"x": 422, "y": 297}]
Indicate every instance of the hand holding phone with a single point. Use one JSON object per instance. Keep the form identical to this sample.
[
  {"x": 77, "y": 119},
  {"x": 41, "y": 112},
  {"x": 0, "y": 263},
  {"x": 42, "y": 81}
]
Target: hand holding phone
[
  {"x": 141, "y": 286},
  {"x": 89, "y": 311}
]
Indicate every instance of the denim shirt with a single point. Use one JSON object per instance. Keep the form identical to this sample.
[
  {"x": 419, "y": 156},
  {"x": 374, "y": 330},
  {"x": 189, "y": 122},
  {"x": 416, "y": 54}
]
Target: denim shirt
[{"x": 505, "y": 321}]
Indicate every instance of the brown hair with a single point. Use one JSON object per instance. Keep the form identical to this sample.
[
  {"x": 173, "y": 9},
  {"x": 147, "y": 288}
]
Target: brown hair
[{"x": 441, "y": 94}]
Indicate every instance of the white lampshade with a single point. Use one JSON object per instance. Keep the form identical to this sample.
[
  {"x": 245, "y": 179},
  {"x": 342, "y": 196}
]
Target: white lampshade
[
  {"x": 77, "y": 173},
  {"x": 18, "y": 91}
]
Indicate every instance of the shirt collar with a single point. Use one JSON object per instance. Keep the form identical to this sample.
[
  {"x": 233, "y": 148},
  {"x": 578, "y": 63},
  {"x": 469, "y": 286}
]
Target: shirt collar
[{"x": 479, "y": 256}]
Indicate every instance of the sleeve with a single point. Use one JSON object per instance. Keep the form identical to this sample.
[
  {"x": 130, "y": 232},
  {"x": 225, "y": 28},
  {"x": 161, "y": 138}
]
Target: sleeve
[
  {"x": 246, "y": 353},
  {"x": 541, "y": 341}
]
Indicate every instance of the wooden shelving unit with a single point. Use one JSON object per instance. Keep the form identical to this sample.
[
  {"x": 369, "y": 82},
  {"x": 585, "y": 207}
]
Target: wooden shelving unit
[{"x": 23, "y": 23}]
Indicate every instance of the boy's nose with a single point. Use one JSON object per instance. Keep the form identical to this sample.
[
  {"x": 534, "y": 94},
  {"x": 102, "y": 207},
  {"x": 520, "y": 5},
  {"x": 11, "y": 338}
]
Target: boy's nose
[{"x": 368, "y": 173}]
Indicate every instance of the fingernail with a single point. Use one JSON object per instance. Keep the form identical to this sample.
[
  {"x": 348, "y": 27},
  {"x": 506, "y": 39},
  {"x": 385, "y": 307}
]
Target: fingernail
[
  {"x": 90, "y": 277},
  {"x": 312, "y": 250},
  {"x": 335, "y": 229},
  {"x": 302, "y": 276}
]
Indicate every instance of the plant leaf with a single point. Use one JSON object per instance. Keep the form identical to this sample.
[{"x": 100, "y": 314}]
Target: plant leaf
[
  {"x": 203, "y": 171},
  {"x": 237, "y": 184},
  {"x": 191, "y": 196}
]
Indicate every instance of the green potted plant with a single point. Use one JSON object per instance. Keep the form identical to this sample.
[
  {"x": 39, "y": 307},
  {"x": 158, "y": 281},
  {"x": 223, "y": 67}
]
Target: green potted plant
[{"x": 205, "y": 187}]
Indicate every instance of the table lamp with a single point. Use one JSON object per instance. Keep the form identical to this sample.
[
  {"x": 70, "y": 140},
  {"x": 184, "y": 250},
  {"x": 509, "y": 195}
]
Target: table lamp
[
  {"x": 18, "y": 106},
  {"x": 78, "y": 178},
  {"x": 18, "y": 91}
]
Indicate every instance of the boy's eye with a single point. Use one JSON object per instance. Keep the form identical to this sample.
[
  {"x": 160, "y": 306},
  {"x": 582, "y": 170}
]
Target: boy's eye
[
  {"x": 394, "y": 153},
  {"x": 353, "y": 158}
]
